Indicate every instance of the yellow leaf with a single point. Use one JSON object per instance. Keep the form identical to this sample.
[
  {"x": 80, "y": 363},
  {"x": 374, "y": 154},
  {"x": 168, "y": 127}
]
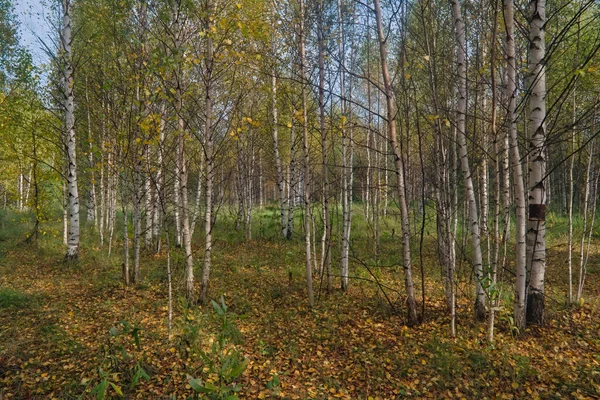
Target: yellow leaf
[
  {"x": 515, "y": 385},
  {"x": 426, "y": 58}
]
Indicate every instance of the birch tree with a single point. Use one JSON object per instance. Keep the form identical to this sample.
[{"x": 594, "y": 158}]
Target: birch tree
[
  {"x": 208, "y": 151},
  {"x": 536, "y": 226},
  {"x": 391, "y": 124},
  {"x": 459, "y": 31},
  {"x": 305, "y": 147},
  {"x": 517, "y": 169},
  {"x": 66, "y": 42}
]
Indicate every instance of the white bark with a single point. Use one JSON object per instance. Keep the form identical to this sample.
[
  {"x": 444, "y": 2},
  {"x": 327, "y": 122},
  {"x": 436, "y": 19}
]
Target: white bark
[
  {"x": 125, "y": 265},
  {"x": 391, "y": 120},
  {"x": 69, "y": 105},
  {"x": 20, "y": 201},
  {"x": 182, "y": 178},
  {"x": 589, "y": 185},
  {"x": 571, "y": 148},
  {"x": 160, "y": 182},
  {"x": 326, "y": 265},
  {"x": 278, "y": 169},
  {"x": 102, "y": 191},
  {"x": 92, "y": 211},
  {"x": 459, "y": 31},
  {"x": 198, "y": 202},
  {"x": 346, "y": 164},
  {"x": 291, "y": 199},
  {"x": 307, "y": 188},
  {"x": 536, "y": 227},
  {"x": 185, "y": 219},
  {"x": 209, "y": 156},
  {"x": 65, "y": 215},
  {"x": 148, "y": 196}
]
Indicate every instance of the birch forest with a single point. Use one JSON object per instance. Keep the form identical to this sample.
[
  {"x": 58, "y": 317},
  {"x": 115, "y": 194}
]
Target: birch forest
[{"x": 301, "y": 199}]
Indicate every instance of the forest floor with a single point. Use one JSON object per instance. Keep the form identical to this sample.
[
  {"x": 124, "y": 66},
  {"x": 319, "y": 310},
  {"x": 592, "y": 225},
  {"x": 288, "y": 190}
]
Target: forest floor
[{"x": 61, "y": 335}]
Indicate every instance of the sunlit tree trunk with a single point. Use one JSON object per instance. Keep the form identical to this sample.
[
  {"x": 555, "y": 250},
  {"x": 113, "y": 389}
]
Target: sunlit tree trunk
[
  {"x": 125, "y": 265},
  {"x": 183, "y": 178},
  {"x": 391, "y": 119},
  {"x": 275, "y": 129},
  {"x": 324, "y": 166},
  {"x": 464, "y": 160},
  {"x": 197, "y": 211},
  {"x": 92, "y": 211},
  {"x": 102, "y": 189},
  {"x": 209, "y": 156},
  {"x": 148, "y": 196},
  {"x": 305, "y": 146},
  {"x": 346, "y": 164},
  {"x": 536, "y": 227},
  {"x": 589, "y": 186},
  {"x": 182, "y": 169},
  {"x": 71, "y": 145},
  {"x": 65, "y": 208},
  {"x": 571, "y": 150},
  {"x": 137, "y": 220},
  {"x": 493, "y": 295},
  {"x": 160, "y": 182}
]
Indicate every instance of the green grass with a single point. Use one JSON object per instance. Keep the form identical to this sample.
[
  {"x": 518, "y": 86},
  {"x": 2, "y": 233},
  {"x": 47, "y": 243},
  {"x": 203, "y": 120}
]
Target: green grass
[{"x": 14, "y": 299}]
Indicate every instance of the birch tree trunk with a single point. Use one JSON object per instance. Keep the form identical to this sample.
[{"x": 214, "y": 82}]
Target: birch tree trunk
[
  {"x": 197, "y": 210},
  {"x": 324, "y": 167},
  {"x": 92, "y": 211},
  {"x": 391, "y": 120},
  {"x": 158, "y": 205},
  {"x": 571, "y": 151},
  {"x": 307, "y": 213},
  {"x": 148, "y": 196},
  {"x": 208, "y": 152},
  {"x": 464, "y": 160},
  {"x": 346, "y": 166},
  {"x": 137, "y": 219},
  {"x": 536, "y": 226},
  {"x": 589, "y": 185},
  {"x": 278, "y": 168},
  {"x": 125, "y": 265},
  {"x": 102, "y": 189},
  {"x": 275, "y": 129},
  {"x": 494, "y": 133},
  {"x": 182, "y": 169},
  {"x": 185, "y": 220},
  {"x": 517, "y": 169},
  {"x": 65, "y": 204},
  {"x": 67, "y": 58},
  {"x": 291, "y": 180}
]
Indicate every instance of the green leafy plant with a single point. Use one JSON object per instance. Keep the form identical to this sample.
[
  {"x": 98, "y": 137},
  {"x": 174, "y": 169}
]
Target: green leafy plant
[
  {"x": 224, "y": 363},
  {"x": 510, "y": 321},
  {"x": 274, "y": 384},
  {"x": 119, "y": 362}
]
